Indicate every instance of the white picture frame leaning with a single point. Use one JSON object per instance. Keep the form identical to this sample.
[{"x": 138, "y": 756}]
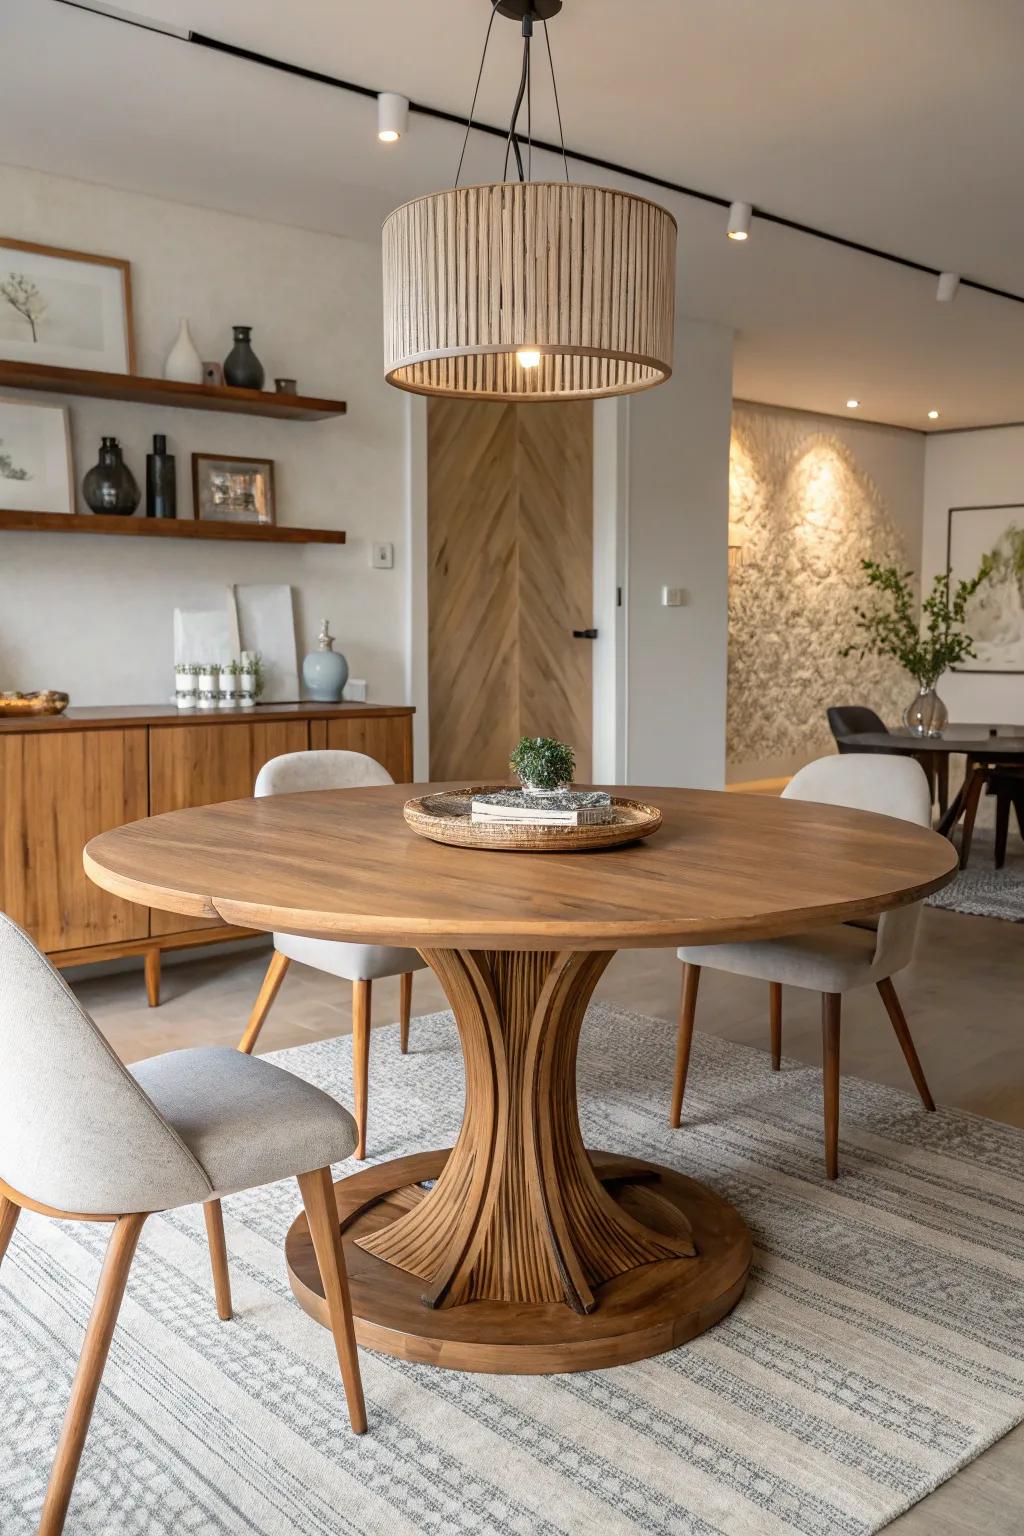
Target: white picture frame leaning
[
  {"x": 995, "y": 613},
  {"x": 65, "y": 309},
  {"x": 37, "y": 472}
]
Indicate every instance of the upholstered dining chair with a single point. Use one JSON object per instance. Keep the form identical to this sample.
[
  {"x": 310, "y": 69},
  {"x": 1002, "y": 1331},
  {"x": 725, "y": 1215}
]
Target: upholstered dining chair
[
  {"x": 83, "y": 1138},
  {"x": 830, "y": 960},
  {"x": 361, "y": 964}
]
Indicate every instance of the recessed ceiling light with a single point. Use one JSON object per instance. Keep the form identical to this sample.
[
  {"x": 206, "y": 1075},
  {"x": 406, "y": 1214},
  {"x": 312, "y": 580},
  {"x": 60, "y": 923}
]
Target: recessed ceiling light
[
  {"x": 739, "y": 221},
  {"x": 933, "y": 415},
  {"x": 392, "y": 116},
  {"x": 851, "y": 405}
]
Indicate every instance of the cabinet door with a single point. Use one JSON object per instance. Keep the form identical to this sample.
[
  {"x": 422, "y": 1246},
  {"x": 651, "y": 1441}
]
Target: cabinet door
[
  {"x": 57, "y": 790},
  {"x": 202, "y": 764},
  {"x": 388, "y": 738}
]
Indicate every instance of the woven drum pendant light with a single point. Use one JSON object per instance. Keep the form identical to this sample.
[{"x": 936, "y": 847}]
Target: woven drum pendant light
[{"x": 528, "y": 290}]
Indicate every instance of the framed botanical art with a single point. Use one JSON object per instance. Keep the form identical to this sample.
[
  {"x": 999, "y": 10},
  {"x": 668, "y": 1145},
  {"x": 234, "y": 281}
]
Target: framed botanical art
[
  {"x": 995, "y": 614},
  {"x": 229, "y": 489},
  {"x": 65, "y": 309},
  {"x": 36, "y": 472}
]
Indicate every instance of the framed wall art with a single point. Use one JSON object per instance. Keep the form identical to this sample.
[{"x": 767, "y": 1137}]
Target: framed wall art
[
  {"x": 995, "y": 614},
  {"x": 36, "y": 470},
  {"x": 229, "y": 489},
  {"x": 66, "y": 309}
]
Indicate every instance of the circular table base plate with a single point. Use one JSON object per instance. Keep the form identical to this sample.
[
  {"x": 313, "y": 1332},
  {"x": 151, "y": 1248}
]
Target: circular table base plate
[{"x": 641, "y": 1313}]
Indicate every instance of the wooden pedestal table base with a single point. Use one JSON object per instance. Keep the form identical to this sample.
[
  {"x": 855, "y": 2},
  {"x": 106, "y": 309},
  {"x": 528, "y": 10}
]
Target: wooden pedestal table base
[{"x": 528, "y": 1253}]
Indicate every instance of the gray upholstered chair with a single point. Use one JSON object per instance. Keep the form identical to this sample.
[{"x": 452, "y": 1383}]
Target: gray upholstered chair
[
  {"x": 361, "y": 964},
  {"x": 84, "y": 1138},
  {"x": 828, "y": 960}
]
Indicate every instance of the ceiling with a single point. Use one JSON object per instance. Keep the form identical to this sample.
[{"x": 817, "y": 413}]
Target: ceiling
[{"x": 898, "y": 126}]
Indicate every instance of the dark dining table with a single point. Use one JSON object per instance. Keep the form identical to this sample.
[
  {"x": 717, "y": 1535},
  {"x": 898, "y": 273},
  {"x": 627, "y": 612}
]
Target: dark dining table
[{"x": 985, "y": 747}]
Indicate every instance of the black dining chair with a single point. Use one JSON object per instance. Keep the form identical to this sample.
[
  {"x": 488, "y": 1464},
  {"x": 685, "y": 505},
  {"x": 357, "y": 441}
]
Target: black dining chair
[{"x": 846, "y": 720}]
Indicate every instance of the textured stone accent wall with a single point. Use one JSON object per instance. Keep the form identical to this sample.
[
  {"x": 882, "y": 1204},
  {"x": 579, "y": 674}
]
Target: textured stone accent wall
[{"x": 804, "y": 516}]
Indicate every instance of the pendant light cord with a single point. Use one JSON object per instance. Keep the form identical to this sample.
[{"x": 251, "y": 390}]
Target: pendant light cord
[
  {"x": 554, "y": 87},
  {"x": 513, "y": 141},
  {"x": 476, "y": 89}
]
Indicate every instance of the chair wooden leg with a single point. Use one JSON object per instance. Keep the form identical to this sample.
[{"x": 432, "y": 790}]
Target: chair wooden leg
[
  {"x": 264, "y": 1002},
  {"x": 405, "y": 1011},
  {"x": 684, "y": 1038},
  {"x": 152, "y": 964},
  {"x": 218, "y": 1258},
  {"x": 120, "y": 1252},
  {"x": 979, "y": 778},
  {"x": 831, "y": 1004},
  {"x": 362, "y": 992},
  {"x": 894, "y": 1009},
  {"x": 1002, "y": 824},
  {"x": 775, "y": 995},
  {"x": 9, "y": 1213},
  {"x": 322, "y": 1215},
  {"x": 942, "y": 780}
]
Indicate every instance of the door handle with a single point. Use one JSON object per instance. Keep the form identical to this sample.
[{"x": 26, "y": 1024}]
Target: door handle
[{"x": 584, "y": 634}]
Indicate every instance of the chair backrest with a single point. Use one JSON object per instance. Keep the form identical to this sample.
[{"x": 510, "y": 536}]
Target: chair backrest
[
  {"x": 76, "y": 1131},
  {"x": 889, "y": 786},
  {"x": 850, "y": 719},
  {"x": 293, "y": 772}
]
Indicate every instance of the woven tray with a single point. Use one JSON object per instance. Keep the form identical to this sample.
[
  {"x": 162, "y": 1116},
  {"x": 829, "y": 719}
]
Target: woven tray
[{"x": 445, "y": 818}]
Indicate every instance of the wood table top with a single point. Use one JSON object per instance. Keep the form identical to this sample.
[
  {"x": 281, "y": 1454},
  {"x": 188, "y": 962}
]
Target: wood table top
[
  {"x": 343, "y": 864},
  {"x": 993, "y": 741}
]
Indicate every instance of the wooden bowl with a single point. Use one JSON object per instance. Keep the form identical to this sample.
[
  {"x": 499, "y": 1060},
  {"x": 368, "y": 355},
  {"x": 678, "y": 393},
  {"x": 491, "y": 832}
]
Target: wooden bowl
[
  {"x": 446, "y": 818},
  {"x": 46, "y": 703}
]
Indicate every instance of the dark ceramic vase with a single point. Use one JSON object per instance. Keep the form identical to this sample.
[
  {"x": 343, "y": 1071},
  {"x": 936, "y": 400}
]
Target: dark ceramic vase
[
  {"x": 109, "y": 487},
  {"x": 242, "y": 368}
]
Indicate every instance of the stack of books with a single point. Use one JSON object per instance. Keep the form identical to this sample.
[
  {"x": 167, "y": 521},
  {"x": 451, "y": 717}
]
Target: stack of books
[{"x": 567, "y": 808}]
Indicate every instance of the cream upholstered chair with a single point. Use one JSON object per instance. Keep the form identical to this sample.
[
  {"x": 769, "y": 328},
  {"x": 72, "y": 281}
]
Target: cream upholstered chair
[
  {"x": 829, "y": 960},
  {"x": 361, "y": 964},
  {"x": 83, "y": 1138}
]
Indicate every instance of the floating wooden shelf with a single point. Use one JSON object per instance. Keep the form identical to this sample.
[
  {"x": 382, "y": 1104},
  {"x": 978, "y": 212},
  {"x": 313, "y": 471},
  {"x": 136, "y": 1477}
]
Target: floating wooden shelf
[
  {"x": 166, "y": 392},
  {"x": 166, "y": 528}
]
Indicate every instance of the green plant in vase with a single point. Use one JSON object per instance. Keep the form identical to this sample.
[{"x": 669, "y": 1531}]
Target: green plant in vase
[
  {"x": 544, "y": 765},
  {"x": 926, "y": 644}
]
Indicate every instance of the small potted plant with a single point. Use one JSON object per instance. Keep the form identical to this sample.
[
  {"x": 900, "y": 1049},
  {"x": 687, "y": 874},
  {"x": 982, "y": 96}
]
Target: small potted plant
[
  {"x": 926, "y": 646},
  {"x": 250, "y": 679},
  {"x": 185, "y": 686},
  {"x": 230, "y": 686},
  {"x": 544, "y": 766},
  {"x": 208, "y": 684}
]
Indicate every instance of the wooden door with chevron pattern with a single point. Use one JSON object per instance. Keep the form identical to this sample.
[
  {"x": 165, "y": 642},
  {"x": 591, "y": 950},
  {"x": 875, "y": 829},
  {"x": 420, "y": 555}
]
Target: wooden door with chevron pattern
[{"x": 510, "y": 549}]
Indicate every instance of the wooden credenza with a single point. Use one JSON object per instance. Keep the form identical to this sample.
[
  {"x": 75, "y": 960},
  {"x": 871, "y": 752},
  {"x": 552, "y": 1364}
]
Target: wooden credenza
[{"x": 65, "y": 778}]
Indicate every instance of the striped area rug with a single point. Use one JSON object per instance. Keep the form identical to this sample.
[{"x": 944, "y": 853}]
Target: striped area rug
[{"x": 878, "y": 1348}]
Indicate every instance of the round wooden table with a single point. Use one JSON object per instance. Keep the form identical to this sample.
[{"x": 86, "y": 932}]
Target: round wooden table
[{"x": 519, "y": 1249}]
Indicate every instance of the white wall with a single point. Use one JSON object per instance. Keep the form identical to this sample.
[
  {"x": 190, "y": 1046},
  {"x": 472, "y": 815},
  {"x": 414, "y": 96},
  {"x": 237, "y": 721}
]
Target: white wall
[
  {"x": 93, "y": 616},
  {"x": 972, "y": 469},
  {"x": 677, "y": 533}
]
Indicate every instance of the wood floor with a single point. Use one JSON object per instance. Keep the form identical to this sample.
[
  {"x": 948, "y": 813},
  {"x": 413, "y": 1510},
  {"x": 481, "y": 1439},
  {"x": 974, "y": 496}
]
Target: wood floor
[{"x": 963, "y": 1001}]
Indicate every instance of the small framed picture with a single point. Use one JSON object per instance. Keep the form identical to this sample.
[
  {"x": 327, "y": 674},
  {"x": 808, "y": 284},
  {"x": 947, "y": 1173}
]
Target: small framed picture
[
  {"x": 228, "y": 489},
  {"x": 36, "y": 471},
  {"x": 66, "y": 309}
]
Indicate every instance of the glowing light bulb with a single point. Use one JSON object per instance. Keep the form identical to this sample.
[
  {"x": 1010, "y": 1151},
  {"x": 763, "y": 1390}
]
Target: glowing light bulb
[
  {"x": 388, "y": 136},
  {"x": 737, "y": 234},
  {"x": 933, "y": 415},
  {"x": 528, "y": 357},
  {"x": 851, "y": 405}
]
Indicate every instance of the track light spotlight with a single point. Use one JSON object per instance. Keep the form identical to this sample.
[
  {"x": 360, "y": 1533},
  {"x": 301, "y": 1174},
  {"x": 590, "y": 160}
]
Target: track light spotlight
[
  {"x": 739, "y": 221},
  {"x": 948, "y": 284},
  {"x": 392, "y": 116}
]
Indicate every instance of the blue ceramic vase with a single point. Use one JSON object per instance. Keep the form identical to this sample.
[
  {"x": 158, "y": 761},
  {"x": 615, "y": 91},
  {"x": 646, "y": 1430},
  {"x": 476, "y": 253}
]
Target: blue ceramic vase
[{"x": 325, "y": 670}]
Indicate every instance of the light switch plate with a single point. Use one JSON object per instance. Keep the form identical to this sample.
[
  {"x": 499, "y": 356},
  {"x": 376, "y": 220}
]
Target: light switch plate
[
  {"x": 673, "y": 597},
  {"x": 382, "y": 557}
]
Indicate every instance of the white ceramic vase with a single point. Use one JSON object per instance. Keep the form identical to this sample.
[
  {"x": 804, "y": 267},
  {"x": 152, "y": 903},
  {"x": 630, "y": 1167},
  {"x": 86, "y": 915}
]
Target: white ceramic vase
[{"x": 184, "y": 364}]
